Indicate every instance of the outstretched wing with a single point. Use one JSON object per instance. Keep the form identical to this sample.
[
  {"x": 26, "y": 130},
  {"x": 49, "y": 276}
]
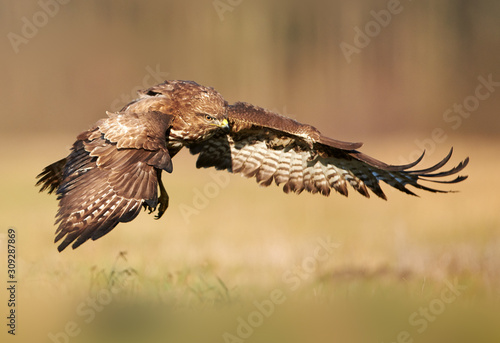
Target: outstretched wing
[
  {"x": 110, "y": 174},
  {"x": 270, "y": 147}
]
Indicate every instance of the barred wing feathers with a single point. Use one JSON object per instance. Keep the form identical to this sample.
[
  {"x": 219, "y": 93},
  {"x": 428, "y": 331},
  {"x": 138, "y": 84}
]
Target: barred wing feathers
[
  {"x": 110, "y": 174},
  {"x": 270, "y": 147}
]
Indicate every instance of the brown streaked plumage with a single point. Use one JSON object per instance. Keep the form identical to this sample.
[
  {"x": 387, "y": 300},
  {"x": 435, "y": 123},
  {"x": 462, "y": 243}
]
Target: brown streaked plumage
[{"x": 114, "y": 169}]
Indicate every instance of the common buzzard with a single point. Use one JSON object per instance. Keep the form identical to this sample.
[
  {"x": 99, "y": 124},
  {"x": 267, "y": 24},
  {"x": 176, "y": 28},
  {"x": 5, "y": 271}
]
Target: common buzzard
[{"x": 114, "y": 169}]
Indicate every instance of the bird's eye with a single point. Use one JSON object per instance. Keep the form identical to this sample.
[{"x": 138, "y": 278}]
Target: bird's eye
[{"x": 209, "y": 117}]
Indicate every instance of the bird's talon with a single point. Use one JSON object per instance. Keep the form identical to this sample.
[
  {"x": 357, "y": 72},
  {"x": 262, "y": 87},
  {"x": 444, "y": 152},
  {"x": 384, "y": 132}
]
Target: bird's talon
[{"x": 161, "y": 210}]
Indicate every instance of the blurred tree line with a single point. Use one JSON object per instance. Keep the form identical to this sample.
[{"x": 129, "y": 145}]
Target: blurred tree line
[{"x": 409, "y": 61}]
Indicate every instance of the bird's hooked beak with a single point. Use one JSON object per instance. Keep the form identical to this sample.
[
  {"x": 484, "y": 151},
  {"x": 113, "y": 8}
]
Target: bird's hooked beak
[{"x": 224, "y": 124}]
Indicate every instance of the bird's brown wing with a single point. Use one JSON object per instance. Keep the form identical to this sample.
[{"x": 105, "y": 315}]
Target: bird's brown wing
[
  {"x": 110, "y": 174},
  {"x": 270, "y": 147}
]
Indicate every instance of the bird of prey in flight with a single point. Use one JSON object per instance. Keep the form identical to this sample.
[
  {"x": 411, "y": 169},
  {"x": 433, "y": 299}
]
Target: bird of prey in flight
[{"x": 114, "y": 169}]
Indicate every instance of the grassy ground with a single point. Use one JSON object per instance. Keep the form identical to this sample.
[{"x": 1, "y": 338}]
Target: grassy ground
[{"x": 243, "y": 263}]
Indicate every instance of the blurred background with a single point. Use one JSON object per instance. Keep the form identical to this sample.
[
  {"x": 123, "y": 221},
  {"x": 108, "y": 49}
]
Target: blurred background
[
  {"x": 401, "y": 76},
  {"x": 284, "y": 55}
]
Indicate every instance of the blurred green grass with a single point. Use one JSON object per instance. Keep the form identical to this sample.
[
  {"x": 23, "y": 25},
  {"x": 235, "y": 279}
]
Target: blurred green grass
[{"x": 193, "y": 280}]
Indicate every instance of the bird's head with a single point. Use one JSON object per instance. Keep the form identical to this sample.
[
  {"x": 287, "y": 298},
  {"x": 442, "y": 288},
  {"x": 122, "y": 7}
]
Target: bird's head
[{"x": 198, "y": 111}]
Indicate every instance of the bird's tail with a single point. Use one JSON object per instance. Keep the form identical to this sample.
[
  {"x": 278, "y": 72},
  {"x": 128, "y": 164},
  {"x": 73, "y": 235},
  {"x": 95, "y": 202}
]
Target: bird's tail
[{"x": 51, "y": 176}]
